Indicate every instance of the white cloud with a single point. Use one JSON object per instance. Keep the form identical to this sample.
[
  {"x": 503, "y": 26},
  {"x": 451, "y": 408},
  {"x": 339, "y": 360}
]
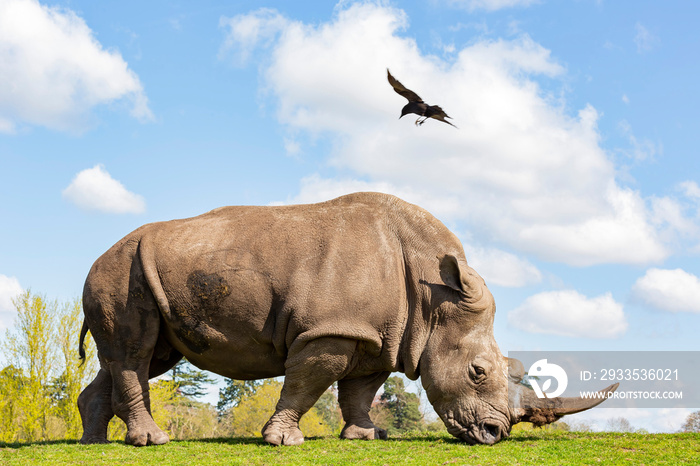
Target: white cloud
[
  {"x": 691, "y": 190},
  {"x": 669, "y": 216},
  {"x": 491, "y": 5},
  {"x": 502, "y": 268},
  {"x": 6, "y": 126},
  {"x": 95, "y": 189},
  {"x": 9, "y": 289},
  {"x": 570, "y": 314},
  {"x": 53, "y": 71},
  {"x": 643, "y": 149},
  {"x": 520, "y": 171},
  {"x": 246, "y": 32},
  {"x": 668, "y": 290},
  {"x": 643, "y": 39},
  {"x": 292, "y": 147}
]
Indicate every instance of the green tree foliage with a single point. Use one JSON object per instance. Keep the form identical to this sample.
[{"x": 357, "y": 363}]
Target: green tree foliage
[
  {"x": 190, "y": 419},
  {"x": 234, "y": 392},
  {"x": 31, "y": 350},
  {"x": 398, "y": 411},
  {"x": 189, "y": 381},
  {"x": 328, "y": 409},
  {"x": 41, "y": 386},
  {"x": 247, "y": 418},
  {"x": 76, "y": 373},
  {"x": 11, "y": 384},
  {"x": 251, "y": 412}
]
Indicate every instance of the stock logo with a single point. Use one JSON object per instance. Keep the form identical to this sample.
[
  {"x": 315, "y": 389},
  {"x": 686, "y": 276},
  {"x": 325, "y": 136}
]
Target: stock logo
[{"x": 541, "y": 369}]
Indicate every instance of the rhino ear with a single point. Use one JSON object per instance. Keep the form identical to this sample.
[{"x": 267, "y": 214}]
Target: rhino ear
[
  {"x": 465, "y": 280},
  {"x": 451, "y": 274}
]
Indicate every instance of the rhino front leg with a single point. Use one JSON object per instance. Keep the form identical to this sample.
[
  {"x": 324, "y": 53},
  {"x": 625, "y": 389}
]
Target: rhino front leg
[
  {"x": 308, "y": 374},
  {"x": 355, "y": 398}
]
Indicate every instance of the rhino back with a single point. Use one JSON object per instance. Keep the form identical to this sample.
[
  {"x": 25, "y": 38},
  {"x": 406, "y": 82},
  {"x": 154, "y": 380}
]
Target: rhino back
[
  {"x": 259, "y": 282},
  {"x": 242, "y": 288}
]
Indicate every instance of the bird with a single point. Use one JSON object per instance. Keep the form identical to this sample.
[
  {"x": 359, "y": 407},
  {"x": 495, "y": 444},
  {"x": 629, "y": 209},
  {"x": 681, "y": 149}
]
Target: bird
[{"x": 416, "y": 105}]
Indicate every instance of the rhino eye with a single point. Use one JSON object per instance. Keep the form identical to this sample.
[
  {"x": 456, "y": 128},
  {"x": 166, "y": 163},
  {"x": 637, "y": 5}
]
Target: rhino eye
[{"x": 477, "y": 373}]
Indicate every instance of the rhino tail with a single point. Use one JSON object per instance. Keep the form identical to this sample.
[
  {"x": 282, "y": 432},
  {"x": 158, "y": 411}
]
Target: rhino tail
[
  {"x": 148, "y": 265},
  {"x": 81, "y": 344}
]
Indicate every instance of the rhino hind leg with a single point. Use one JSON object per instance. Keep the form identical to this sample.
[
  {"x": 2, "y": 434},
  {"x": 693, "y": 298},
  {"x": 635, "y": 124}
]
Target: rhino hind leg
[
  {"x": 124, "y": 319},
  {"x": 95, "y": 406},
  {"x": 95, "y": 402},
  {"x": 355, "y": 398},
  {"x": 308, "y": 374},
  {"x": 133, "y": 358}
]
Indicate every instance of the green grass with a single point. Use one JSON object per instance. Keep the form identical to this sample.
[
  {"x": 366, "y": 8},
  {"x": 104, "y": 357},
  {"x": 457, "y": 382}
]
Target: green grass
[{"x": 529, "y": 447}]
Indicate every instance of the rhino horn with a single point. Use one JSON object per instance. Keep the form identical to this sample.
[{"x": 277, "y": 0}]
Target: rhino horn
[{"x": 527, "y": 407}]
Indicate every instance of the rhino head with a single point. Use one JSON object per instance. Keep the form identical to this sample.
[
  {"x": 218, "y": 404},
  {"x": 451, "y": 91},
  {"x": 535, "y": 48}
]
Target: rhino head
[{"x": 475, "y": 390}]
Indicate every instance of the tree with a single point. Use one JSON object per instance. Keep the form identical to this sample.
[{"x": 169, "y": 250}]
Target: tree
[
  {"x": 76, "y": 374},
  {"x": 247, "y": 418},
  {"x": 251, "y": 412},
  {"x": 692, "y": 422},
  {"x": 234, "y": 392},
  {"x": 578, "y": 426},
  {"x": 31, "y": 350},
  {"x": 619, "y": 424},
  {"x": 191, "y": 419},
  {"x": 189, "y": 381},
  {"x": 11, "y": 384},
  {"x": 403, "y": 407},
  {"x": 45, "y": 366},
  {"x": 328, "y": 409}
]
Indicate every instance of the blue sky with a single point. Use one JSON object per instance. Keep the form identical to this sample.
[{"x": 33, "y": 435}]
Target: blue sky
[{"x": 572, "y": 180}]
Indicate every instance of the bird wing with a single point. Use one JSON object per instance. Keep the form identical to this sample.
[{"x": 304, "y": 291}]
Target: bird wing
[
  {"x": 401, "y": 89},
  {"x": 435, "y": 111}
]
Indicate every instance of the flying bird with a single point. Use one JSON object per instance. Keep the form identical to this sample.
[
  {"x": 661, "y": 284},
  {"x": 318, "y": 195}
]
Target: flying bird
[{"x": 415, "y": 103}]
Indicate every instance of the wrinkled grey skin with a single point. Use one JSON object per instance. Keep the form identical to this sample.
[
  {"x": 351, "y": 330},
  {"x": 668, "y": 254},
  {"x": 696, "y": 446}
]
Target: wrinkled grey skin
[{"x": 348, "y": 290}]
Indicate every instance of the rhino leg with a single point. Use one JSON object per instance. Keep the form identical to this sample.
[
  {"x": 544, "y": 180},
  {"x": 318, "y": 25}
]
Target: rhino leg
[
  {"x": 124, "y": 319},
  {"x": 308, "y": 374},
  {"x": 355, "y": 398},
  {"x": 95, "y": 406},
  {"x": 131, "y": 403},
  {"x": 131, "y": 355}
]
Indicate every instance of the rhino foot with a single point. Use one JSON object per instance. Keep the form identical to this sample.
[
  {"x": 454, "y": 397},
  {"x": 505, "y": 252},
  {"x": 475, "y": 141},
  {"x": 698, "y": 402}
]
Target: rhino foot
[
  {"x": 93, "y": 440},
  {"x": 277, "y": 435},
  {"x": 143, "y": 437},
  {"x": 356, "y": 432}
]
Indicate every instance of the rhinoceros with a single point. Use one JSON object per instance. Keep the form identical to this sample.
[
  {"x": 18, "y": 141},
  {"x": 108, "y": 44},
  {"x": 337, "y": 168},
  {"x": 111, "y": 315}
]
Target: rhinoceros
[{"x": 348, "y": 290}]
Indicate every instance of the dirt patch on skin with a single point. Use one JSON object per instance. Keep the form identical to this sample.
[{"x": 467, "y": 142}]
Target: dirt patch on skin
[
  {"x": 207, "y": 293},
  {"x": 208, "y": 289}
]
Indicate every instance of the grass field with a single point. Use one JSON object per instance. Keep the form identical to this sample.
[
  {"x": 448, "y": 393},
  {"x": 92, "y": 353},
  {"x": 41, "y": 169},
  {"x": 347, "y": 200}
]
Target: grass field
[{"x": 529, "y": 447}]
